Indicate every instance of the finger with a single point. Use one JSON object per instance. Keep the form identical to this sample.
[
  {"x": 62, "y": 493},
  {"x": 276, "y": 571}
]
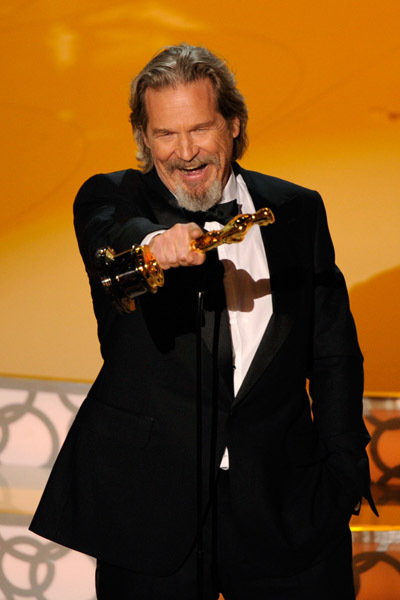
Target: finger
[{"x": 195, "y": 231}]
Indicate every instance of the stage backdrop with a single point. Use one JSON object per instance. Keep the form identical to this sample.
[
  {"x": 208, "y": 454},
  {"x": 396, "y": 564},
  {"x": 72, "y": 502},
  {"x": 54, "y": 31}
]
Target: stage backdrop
[{"x": 321, "y": 81}]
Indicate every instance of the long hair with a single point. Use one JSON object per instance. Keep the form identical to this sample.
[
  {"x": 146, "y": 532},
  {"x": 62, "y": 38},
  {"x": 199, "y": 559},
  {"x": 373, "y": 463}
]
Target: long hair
[{"x": 184, "y": 64}]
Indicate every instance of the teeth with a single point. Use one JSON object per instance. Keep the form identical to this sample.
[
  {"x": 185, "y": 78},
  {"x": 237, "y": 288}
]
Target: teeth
[{"x": 194, "y": 168}]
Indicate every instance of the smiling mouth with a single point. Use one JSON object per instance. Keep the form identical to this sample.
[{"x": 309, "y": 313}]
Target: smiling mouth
[{"x": 191, "y": 168}]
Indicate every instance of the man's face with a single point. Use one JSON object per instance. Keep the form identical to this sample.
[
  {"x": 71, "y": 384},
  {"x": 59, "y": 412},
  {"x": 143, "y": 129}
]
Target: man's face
[{"x": 190, "y": 141}]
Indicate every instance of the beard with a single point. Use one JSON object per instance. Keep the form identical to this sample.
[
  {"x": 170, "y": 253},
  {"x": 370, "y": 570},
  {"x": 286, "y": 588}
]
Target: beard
[{"x": 197, "y": 199}]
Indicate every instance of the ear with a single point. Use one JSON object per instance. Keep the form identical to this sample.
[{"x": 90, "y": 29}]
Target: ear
[{"x": 235, "y": 127}]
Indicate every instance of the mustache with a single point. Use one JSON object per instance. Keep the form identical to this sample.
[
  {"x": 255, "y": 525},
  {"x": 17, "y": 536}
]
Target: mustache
[{"x": 196, "y": 163}]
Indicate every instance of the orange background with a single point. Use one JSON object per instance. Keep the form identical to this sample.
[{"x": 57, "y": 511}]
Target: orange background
[{"x": 322, "y": 84}]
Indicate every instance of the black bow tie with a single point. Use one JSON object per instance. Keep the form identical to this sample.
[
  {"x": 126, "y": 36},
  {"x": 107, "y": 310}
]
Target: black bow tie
[{"x": 222, "y": 213}]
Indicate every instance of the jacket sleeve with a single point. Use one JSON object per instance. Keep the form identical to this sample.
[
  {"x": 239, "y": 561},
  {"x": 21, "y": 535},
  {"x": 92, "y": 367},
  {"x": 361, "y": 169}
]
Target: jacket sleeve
[
  {"x": 106, "y": 215},
  {"x": 336, "y": 374}
]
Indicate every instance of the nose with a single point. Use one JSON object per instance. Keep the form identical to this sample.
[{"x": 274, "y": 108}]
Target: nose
[{"x": 186, "y": 149}]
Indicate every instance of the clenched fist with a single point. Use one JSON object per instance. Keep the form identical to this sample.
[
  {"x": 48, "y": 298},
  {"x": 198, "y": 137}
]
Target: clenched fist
[{"x": 171, "y": 248}]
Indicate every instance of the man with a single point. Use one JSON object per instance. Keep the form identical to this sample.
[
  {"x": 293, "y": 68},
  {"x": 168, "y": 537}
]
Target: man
[{"x": 280, "y": 480}]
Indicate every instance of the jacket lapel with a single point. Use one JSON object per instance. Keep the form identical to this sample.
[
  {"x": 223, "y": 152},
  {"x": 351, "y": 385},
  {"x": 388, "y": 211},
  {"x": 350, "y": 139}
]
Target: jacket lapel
[{"x": 277, "y": 241}]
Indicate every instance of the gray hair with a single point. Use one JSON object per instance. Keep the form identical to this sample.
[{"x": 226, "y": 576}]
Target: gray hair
[{"x": 185, "y": 64}]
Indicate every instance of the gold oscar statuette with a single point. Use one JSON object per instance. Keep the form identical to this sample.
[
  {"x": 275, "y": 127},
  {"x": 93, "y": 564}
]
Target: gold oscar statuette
[{"x": 135, "y": 271}]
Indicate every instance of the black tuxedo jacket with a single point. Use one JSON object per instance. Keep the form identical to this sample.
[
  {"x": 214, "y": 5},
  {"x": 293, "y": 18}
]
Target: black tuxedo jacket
[{"x": 123, "y": 488}]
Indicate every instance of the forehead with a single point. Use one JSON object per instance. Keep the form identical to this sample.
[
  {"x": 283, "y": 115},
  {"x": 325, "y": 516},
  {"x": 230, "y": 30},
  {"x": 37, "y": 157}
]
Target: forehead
[{"x": 194, "y": 101}]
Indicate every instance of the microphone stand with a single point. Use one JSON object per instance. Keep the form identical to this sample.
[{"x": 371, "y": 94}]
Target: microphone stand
[
  {"x": 199, "y": 450},
  {"x": 215, "y": 344},
  {"x": 199, "y": 439}
]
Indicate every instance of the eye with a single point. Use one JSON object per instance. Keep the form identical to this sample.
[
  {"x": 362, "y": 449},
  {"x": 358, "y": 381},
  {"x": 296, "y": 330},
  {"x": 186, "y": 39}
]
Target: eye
[{"x": 164, "y": 134}]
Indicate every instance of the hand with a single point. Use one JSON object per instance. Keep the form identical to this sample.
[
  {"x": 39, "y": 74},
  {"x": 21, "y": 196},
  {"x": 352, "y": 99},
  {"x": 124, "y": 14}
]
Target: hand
[{"x": 172, "y": 247}]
